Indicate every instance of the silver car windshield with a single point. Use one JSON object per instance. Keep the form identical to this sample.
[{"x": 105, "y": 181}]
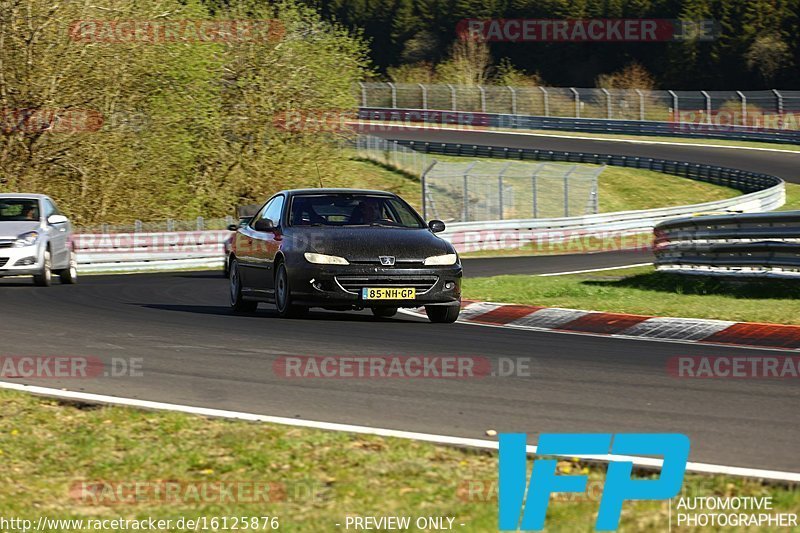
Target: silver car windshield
[
  {"x": 18, "y": 210},
  {"x": 352, "y": 210}
]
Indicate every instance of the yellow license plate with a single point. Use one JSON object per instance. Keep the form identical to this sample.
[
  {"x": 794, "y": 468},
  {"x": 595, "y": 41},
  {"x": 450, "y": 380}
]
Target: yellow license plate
[{"x": 388, "y": 294}]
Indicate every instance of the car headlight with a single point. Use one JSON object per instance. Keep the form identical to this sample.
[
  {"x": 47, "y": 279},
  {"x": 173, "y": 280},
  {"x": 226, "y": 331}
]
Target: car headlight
[
  {"x": 322, "y": 259},
  {"x": 26, "y": 239},
  {"x": 441, "y": 260}
]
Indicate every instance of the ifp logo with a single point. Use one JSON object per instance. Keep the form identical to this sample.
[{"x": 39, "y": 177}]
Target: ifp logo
[{"x": 673, "y": 447}]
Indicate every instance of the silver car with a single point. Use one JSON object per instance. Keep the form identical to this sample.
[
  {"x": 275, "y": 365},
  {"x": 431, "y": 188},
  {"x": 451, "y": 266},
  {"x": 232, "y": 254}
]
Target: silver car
[{"x": 35, "y": 240}]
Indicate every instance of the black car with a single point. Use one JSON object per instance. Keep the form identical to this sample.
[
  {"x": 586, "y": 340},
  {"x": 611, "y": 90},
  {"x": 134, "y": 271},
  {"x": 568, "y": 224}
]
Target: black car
[{"x": 344, "y": 249}]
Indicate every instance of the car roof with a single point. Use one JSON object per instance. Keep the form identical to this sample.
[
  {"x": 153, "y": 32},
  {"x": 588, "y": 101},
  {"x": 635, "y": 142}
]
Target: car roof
[
  {"x": 25, "y": 196},
  {"x": 292, "y": 192}
]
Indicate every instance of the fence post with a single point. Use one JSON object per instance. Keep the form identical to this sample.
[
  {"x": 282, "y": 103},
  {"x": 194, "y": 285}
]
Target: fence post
[
  {"x": 137, "y": 226},
  {"x": 536, "y": 172},
  {"x": 363, "y": 94},
  {"x": 394, "y": 95},
  {"x": 778, "y": 102},
  {"x": 675, "y": 106},
  {"x": 708, "y": 106},
  {"x": 577, "y": 102},
  {"x": 424, "y": 96},
  {"x": 453, "y": 103},
  {"x": 546, "y": 102},
  {"x": 483, "y": 98},
  {"x": 744, "y": 107},
  {"x": 566, "y": 190},
  {"x": 500, "y": 188},
  {"x": 200, "y": 223},
  {"x": 466, "y": 191},
  {"x": 641, "y": 104},
  {"x": 170, "y": 225},
  {"x": 608, "y": 103},
  {"x": 513, "y": 99},
  {"x": 424, "y": 179}
]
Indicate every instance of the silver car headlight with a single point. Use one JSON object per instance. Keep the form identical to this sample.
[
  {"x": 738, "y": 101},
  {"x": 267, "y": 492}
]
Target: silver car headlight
[
  {"x": 322, "y": 259},
  {"x": 441, "y": 260},
  {"x": 27, "y": 239}
]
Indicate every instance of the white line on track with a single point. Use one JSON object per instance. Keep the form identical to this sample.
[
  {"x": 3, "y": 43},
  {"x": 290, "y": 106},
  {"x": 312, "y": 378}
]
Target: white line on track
[
  {"x": 633, "y": 265},
  {"x": 366, "y": 430},
  {"x": 584, "y": 138}
]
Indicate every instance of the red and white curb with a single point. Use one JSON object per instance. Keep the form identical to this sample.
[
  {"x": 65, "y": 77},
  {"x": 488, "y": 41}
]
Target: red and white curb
[{"x": 749, "y": 334}]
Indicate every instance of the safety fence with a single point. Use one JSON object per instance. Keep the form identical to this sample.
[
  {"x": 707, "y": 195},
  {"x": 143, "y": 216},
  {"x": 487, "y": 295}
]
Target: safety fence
[
  {"x": 463, "y": 191},
  {"x": 766, "y": 245},
  {"x": 785, "y": 133}
]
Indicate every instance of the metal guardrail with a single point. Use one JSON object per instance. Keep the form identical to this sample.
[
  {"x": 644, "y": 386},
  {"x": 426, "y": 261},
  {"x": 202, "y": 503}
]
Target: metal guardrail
[
  {"x": 584, "y": 125},
  {"x": 150, "y": 251},
  {"x": 765, "y": 244}
]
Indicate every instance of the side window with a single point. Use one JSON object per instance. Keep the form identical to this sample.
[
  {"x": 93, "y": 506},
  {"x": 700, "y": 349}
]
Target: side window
[
  {"x": 262, "y": 213},
  {"x": 49, "y": 209},
  {"x": 274, "y": 209}
]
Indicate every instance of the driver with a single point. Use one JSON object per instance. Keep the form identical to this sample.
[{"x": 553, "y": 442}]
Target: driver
[
  {"x": 29, "y": 212},
  {"x": 369, "y": 210}
]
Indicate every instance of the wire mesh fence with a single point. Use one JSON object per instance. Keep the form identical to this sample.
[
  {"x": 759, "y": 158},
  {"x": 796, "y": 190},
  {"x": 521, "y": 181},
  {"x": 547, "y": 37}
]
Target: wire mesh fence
[
  {"x": 503, "y": 190},
  {"x": 768, "y": 109},
  {"x": 462, "y": 191}
]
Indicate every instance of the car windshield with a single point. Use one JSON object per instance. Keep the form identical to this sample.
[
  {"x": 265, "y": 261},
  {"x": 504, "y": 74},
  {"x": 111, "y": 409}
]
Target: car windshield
[
  {"x": 18, "y": 210},
  {"x": 352, "y": 210}
]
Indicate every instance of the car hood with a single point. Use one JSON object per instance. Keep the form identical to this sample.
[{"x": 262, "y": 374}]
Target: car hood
[
  {"x": 368, "y": 243},
  {"x": 11, "y": 230}
]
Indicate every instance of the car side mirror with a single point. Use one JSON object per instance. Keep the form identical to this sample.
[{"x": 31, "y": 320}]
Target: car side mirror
[
  {"x": 233, "y": 227},
  {"x": 264, "y": 225},
  {"x": 436, "y": 226},
  {"x": 57, "y": 219}
]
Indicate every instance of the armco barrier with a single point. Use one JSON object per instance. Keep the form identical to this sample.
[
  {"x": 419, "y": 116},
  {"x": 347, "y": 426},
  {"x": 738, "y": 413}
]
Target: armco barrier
[
  {"x": 585, "y": 125},
  {"x": 765, "y": 244},
  {"x": 150, "y": 251}
]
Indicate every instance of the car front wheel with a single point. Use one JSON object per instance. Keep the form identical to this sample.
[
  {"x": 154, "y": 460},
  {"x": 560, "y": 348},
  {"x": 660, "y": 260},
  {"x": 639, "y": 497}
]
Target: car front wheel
[
  {"x": 443, "y": 314},
  {"x": 283, "y": 295},
  {"x": 239, "y": 304},
  {"x": 45, "y": 276}
]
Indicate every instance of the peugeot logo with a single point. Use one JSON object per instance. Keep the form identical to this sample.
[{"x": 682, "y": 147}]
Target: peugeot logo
[{"x": 387, "y": 260}]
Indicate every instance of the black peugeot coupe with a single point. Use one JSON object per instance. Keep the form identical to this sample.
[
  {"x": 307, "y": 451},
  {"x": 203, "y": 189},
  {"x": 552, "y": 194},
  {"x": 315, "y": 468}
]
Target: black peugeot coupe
[{"x": 343, "y": 249}]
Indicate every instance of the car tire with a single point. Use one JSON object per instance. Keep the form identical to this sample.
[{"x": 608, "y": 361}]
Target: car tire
[
  {"x": 69, "y": 276},
  {"x": 283, "y": 295},
  {"x": 45, "y": 277},
  {"x": 384, "y": 312},
  {"x": 443, "y": 314},
  {"x": 239, "y": 304}
]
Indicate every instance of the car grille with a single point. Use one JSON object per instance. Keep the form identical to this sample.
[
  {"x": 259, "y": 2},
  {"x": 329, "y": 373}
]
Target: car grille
[
  {"x": 3, "y": 261},
  {"x": 354, "y": 284},
  {"x": 6, "y": 244}
]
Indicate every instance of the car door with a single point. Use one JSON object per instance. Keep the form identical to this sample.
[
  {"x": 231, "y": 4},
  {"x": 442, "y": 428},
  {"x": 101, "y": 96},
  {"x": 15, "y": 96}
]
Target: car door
[
  {"x": 247, "y": 241},
  {"x": 270, "y": 243},
  {"x": 57, "y": 235}
]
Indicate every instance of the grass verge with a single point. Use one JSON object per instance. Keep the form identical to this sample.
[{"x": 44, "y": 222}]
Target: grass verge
[
  {"x": 70, "y": 460},
  {"x": 642, "y": 290}
]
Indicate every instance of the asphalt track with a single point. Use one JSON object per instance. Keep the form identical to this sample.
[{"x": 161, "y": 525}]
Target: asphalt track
[{"x": 195, "y": 352}]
